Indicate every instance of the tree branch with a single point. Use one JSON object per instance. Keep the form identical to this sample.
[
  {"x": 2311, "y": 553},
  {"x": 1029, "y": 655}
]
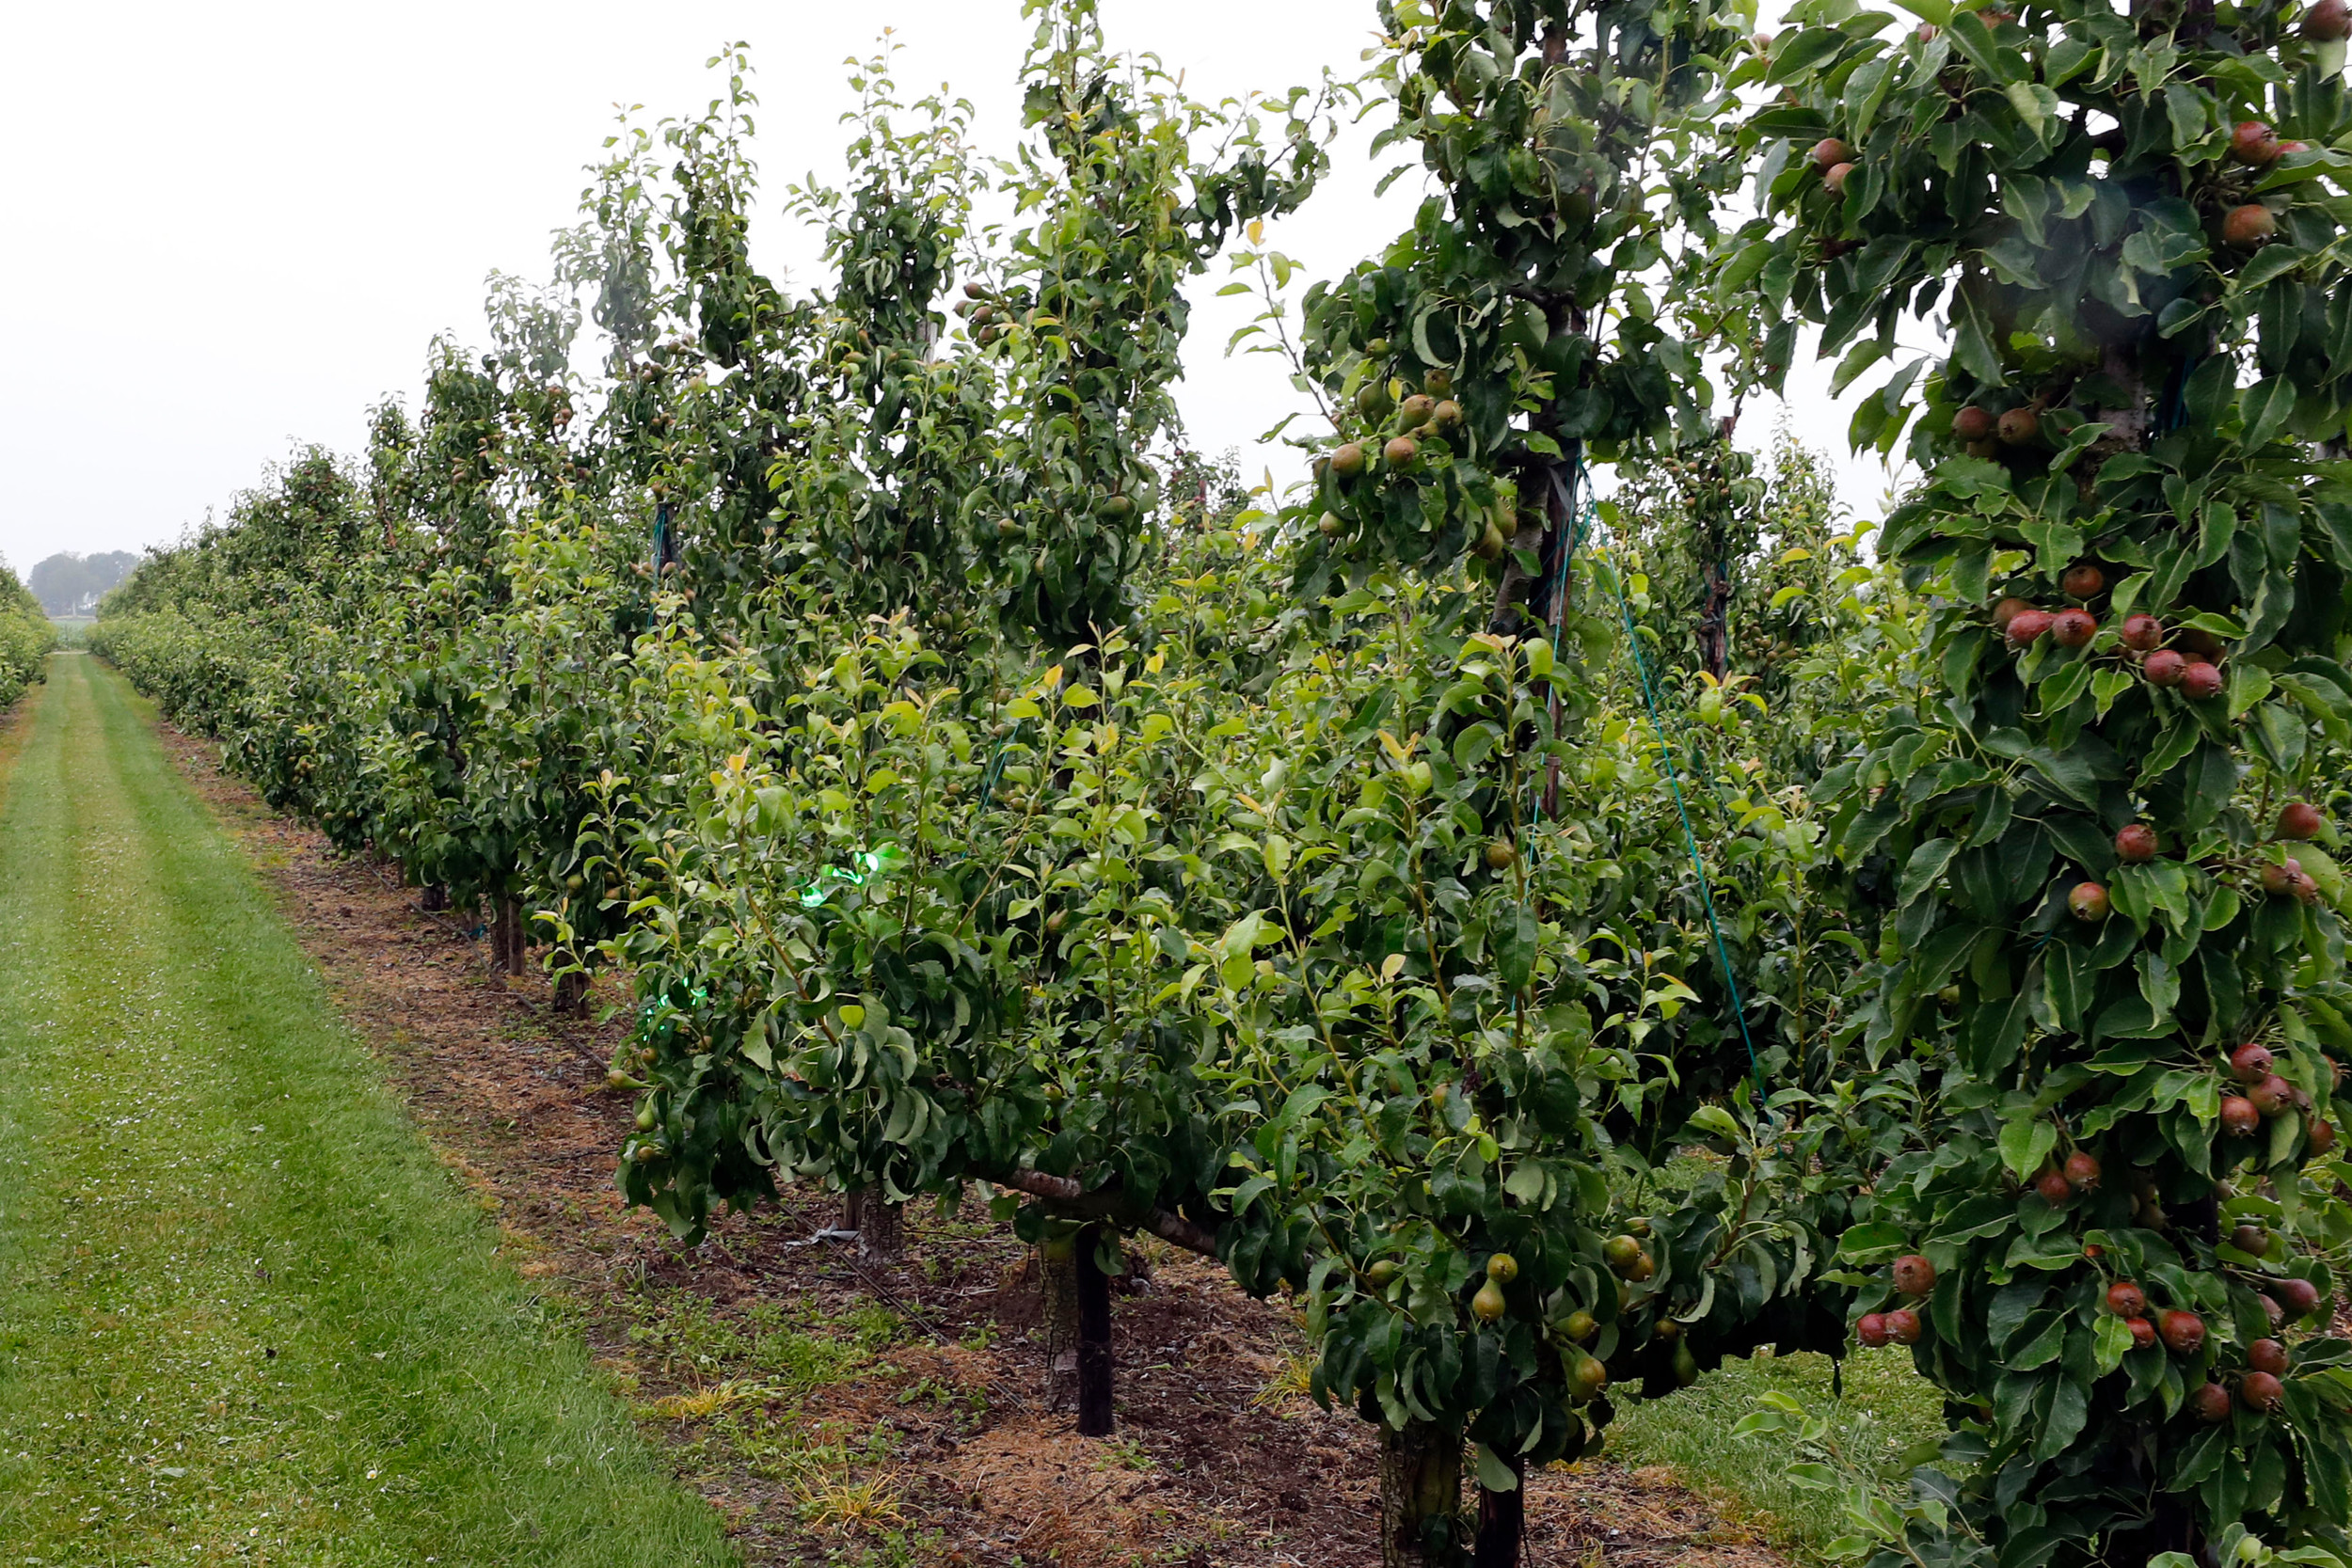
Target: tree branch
[{"x": 1064, "y": 1193}]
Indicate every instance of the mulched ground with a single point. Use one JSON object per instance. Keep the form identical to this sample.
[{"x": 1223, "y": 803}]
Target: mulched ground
[{"x": 932, "y": 1444}]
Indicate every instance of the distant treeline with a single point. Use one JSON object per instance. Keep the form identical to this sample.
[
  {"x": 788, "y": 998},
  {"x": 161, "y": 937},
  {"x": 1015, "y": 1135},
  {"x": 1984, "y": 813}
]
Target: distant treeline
[{"x": 69, "y": 580}]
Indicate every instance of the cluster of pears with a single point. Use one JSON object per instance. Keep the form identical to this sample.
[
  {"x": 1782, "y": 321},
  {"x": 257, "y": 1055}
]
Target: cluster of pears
[
  {"x": 1412, "y": 418},
  {"x": 2242, "y": 223},
  {"x": 991, "y": 313}
]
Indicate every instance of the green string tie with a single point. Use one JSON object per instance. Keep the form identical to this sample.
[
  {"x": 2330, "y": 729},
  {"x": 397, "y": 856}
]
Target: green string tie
[{"x": 880, "y": 860}]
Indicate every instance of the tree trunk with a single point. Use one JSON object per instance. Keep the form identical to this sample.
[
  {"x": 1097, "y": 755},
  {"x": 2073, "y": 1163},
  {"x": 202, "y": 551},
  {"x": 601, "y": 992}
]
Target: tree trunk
[
  {"x": 880, "y": 1226},
  {"x": 1057, "y": 1279},
  {"x": 1715, "y": 621},
  {"x": 1094, "y": 1340},
  {"x": 1421, "y": 1495},
  {"x": 571, "y": 994},
  {"x": 436, "y": 897},
  {"x": 507, "y": 946},
  {"x": 1503, "y": 1520}
]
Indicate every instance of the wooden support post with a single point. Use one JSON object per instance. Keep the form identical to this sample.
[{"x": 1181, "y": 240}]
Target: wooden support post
[{"x": 1503, "y": 1522}]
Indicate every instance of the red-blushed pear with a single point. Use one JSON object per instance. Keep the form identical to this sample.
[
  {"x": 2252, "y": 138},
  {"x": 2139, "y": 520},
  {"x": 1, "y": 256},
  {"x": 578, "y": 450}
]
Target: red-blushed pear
[
  {"x": 2136, "y": 845},
  {"x": 2251, "y": 1240},
  {"x": 2239, "y": 1116},
  {"x": 2053, "y": 1186},
  {"x": 2322, "y": 1136},
  {"x": 1972, "y": 423},
  {"x": 2082, "y": 1171},
  {"x": 2298, "y": 819},
  {"x": 1915, "y": 1275},
  {"x": 2261, "y": 1392},
  {"x": 2273, "y": 1097},
  {"x": 1834, "y": 181},
  {"x": 2211, "y": 1402},
  {"x": 2250, "y": 1063},
  {"x": 2184, "y": 1333},
  {"x": 2253, "y": 144},
  {"x": 2127, "y": 1300},
  {"x": 1347, "y": 462},
  {"x": 2026, "y": 626},
  {"x": 2089, "y": 902},
  {"x": 1902, "y": 1326},
  {"x": 1402, "y": 451},
  {"x": 2144, "y": 1332},
  {"x": 2074, "y": 628},
  {"x": 2083, "y": 580},
  {"x": 2328, "y": 21},
  {"x": 2202, "y": 680},
  {"x": 2018, "y": 426},
  {"x": 1828, "y": 152},
  {"x": 2248, "y": 226},
  {"x": 1871, "y": 1329},
  {"x": 2278, "y": 877},
  {"x": 2267, "y": 1355},
  {"x": 2141, "y": 632},
  {"x": 2274, "y": 1313},
  {"x": 2296, "y": 1296},
  {"x": 2165, "y": 667}
]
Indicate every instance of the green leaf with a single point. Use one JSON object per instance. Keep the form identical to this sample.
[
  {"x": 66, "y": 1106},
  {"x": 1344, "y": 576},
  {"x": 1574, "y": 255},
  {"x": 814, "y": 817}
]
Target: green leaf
[
  {"x": 2067, "y": 983},
  {"x": 1493, "y": 1474},
  {"x": 2112, "y": 1341},
  {"x": 1872, "y": 1241},
  {"x": 2266, "y": 404},
  {"x": 2026, "y": 1146},
  {"x": 1796, "y": 56},
  {"x": 1926, "y": 864}
]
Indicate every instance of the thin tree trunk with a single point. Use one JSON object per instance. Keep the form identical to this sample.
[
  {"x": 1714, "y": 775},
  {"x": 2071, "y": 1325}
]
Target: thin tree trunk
[
  {"x": 1057, "y": 1279},
  {"x": 881, "y": 1227},
  {"x": 1503, "y": 1520},
  {"x": 1421, "y": 1495},
  {"x": 436, "y": 897},
  {"x": 1095, "y": 1418},
  {"x": 507, "y": 946},
  {"x": 571, "y": 994},
  {"x": 1715, "y": 621}
]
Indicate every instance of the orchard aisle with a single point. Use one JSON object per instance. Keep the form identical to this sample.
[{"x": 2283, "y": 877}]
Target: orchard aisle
[{"x": 245, "y": 1315}]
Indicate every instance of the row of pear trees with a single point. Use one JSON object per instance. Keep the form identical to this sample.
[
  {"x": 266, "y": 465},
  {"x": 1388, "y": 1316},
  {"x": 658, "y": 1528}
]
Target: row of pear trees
[
  {"x": 25, "y": 637},
  {"x": 1346, "y": 890}
]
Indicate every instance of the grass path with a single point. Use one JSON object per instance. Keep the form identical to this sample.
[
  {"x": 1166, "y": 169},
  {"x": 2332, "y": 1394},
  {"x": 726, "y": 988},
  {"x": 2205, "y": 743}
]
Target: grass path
[{"x": 245, "y": 1314}]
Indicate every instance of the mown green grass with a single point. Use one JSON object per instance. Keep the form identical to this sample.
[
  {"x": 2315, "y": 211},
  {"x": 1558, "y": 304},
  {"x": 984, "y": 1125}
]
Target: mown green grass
[
  {"x": 1886, "y": 1410},
  {"x": 245, "y": 1314}
]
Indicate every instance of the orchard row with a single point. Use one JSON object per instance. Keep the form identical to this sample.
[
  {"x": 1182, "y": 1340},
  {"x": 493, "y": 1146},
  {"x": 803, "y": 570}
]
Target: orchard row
[{"x": 1559, "y": 943}]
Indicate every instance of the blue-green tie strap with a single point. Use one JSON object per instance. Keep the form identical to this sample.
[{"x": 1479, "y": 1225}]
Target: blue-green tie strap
[{"x": 1690, "y": 838}]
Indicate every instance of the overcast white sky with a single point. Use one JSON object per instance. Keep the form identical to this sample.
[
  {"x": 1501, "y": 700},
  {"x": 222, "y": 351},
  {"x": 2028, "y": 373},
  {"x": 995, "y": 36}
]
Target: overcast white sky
[{"x": 235, "y": 227}]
